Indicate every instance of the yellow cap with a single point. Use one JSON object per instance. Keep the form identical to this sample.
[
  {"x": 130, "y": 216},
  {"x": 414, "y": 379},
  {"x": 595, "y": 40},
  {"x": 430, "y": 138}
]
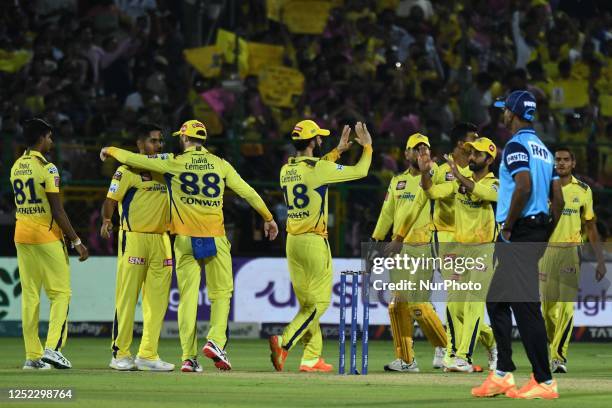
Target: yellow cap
[
  {"x": 192, "y": 128},
  {"x": 415, "y": 139},
  {"x": 484, "y": 144},
  {"x": 307, "y": 129}
]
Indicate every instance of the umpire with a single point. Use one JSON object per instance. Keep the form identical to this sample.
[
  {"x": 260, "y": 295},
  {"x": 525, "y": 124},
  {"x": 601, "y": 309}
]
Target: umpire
[{"x": 526, "y": 178}]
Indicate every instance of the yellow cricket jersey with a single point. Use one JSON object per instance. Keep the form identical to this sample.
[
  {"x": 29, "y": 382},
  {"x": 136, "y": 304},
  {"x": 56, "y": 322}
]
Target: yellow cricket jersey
[
  {"x": 304, "y": 181},
  {"x": 444, "y": 208},
  {"x": 143, "y": 202},
  {"x": 196, "y": 181},
  {"x": 474, "y": 213},
  {"x": 405, "y": 205},
  {"x": 32, "y": 176},
  {"x": 578, "y": 199}
]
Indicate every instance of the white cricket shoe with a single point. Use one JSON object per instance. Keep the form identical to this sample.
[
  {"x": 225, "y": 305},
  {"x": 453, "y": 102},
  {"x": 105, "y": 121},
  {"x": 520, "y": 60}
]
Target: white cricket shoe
[
  {"x": 122, "y": 364},
  {"x": 401, "y": 366},
  {"x": 438, "y": 360},
  {"x": 217, "y": 355},
  {"x": 152, "y": 365},
  {"x": 492, "y": 353},
  {"x": 36, "y": 365},
  {"x": 558, "y": 366},
  {"x": 459, "y": 366},
  {"x": 56, "y": 359},
  {"x": 191, "y": 366}
]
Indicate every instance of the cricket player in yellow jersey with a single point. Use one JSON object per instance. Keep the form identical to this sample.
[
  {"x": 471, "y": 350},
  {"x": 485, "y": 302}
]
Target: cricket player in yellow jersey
[
  {"x": 474, "y": 196},
  {"x": 145, "y": 256},
  {"x": 444, "y": 224},
  {"x": 42, "y": 256},
  {"x": 560, "y": 265},
  {"x": 405, "y": 201},
  {"x": 304, "y": 181},
  {"x": 196, "y": 181}
]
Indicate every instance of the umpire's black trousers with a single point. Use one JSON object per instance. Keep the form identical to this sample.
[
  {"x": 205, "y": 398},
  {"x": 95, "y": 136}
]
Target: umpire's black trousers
[{"x": 516, "y": 278}]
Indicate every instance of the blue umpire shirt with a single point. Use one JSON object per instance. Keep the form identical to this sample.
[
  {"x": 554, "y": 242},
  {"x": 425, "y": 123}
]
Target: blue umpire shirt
[{"x": 525, "y": 152}]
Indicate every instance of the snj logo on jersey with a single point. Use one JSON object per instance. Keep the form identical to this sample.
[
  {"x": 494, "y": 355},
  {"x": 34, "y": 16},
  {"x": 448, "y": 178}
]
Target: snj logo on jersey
[
  {"x": 135, "y": 260},
  {"x": 168, "y": 262}
]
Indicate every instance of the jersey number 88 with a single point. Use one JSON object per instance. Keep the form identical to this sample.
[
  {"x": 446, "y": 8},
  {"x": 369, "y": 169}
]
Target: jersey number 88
[{"x": 210, "y": 184}]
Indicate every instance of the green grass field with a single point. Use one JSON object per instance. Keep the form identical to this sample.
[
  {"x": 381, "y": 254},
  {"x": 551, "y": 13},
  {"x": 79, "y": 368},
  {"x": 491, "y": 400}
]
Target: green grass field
[{"x": 253, "y": 383}]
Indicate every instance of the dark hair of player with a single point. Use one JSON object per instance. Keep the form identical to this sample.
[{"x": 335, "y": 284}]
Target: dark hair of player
[
  {"x": 565, "y": 149},
  {"x": 34, "y": 129},
  {"x": 459, "y": 132},
  {"x": 144, "y": 130}
]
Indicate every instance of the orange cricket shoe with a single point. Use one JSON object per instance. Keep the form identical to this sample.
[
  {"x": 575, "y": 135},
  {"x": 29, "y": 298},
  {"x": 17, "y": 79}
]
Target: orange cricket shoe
[
  {"x": 535, "y": 390},
  {"x": 320, "y": 366},
  {"x": 278, "y": 354},
  {"x": 494, "y": 385}
]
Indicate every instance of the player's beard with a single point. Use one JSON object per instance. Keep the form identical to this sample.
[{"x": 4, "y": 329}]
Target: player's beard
[
  {"x": 476, "y": 166},
  {"x": 316, "y": 151}
]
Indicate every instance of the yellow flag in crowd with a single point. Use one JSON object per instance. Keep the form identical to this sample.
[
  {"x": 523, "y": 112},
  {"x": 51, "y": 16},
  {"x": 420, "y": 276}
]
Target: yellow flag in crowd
[
  {"x": 206, "y": 60},
  {"x": 569, "y": 93},
  {"x": 275, "y": 8},
  {"x": 261, "y": 55},
  {"x": 13, "y": 61},
  {"x": 226, "y": 41},
  {"x": 280, "y": 86},
  {"x": 306, "y": 17}
]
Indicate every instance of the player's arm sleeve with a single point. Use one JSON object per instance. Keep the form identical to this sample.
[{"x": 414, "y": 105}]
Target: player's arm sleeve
[
  {"x": 332, "y": 156},
  {"x": 588, "y": 214},
  {"x": 412, "y": 216},
  {"x": 328, "y": 172},
  {"x": 119, "y": 185},
  {"x": 516, "y": 158},
  {"x": 241, "y": 187},
  {"x": 51, "y": 178},
  {"x": 158, "y": 163},
  {"x": 442, "y": 190},
  {"x": 486, "y": 189},
  {"x": 385, "y": 219}
]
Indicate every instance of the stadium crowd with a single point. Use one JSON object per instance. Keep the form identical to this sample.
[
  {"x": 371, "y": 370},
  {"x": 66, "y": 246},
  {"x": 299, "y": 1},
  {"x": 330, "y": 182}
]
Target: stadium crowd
[{"x": 95, "y": 69}]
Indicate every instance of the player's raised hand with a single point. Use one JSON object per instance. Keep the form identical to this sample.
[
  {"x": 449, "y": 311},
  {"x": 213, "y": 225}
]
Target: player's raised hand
[
  {"x": 344, "y": 143},
  {"x": 103, "y": 153},
  {"x": 424, "y": 160},
  {"x": 107, "y": 229},
  {"x": 270, "y": 229},
  {"x": 452, "y": 165},
  {"x": 83, "y": 252},
  {"x": 363, "y": 136}
]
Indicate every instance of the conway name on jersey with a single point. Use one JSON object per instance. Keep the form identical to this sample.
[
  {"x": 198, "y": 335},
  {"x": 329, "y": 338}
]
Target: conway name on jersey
[
  {"x": 196, "y": 181},
  {"x": 32, "y": 176}
]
